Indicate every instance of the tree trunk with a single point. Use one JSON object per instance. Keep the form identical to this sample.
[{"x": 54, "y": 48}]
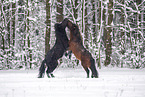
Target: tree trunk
[
  {"x": 48, "y": 29},
  {"x": 94, "y": 21},
  {"x": 59, "y": 16},
  {"x": 107, "y": 33},
  {"x": 123, "y": 33},
  {"x": 2, "y": 34},
  {"x": 94, "y": 28},
  {"x": 74, "y": 4},
  {"x": 13, "y": 26},
  {"x": 75, "y": 10},
  {"x": 8, "y": 36},
  {"x": 29, "y": 58},
  {"x": 100, "y": 21},
  {"x": 83, "y": 20},
  {"x": 86, "y": 33}
]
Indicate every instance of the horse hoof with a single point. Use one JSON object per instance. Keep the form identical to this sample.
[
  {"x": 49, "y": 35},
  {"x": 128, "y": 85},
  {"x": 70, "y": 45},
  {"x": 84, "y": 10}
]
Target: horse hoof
[
  {"x": 52, "y": 75},
  {"x": 48, "y": 75},
  {"x": 40, "y": 76},
  {"x": 94, "y": 76}
]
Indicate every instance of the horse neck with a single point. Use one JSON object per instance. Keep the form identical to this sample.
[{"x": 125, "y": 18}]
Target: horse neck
[
  {"x": 58, "y": 39},
  {"x": 62, "y": 38},
  {"x": 75, "y": 38},
  {"x": 62, "y": 41}
]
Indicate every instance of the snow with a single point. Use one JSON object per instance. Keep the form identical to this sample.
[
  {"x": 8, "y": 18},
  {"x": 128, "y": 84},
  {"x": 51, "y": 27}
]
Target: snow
[{"x": 70, "y": 82}]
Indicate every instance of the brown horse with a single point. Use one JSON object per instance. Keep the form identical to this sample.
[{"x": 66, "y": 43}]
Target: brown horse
[{"x": 76, "y": 46}]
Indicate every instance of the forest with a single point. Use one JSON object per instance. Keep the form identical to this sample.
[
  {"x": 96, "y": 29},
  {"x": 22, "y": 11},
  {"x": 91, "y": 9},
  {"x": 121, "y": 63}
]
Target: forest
[{"x": 112, "y": 30}]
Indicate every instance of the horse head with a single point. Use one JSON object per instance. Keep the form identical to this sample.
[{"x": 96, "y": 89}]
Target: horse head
[{"x": 74, "y": 31}]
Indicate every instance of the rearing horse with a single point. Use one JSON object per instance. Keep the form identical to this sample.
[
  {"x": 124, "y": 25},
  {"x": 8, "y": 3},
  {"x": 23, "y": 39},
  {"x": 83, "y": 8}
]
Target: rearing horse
[
  {"x": 56, "y": 52},
  {"x": 76, "y": 46}
]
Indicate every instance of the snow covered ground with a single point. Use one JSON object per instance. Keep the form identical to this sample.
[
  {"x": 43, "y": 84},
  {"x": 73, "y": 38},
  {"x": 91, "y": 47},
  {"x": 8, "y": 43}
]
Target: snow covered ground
[{"x": 69, "y": 82}]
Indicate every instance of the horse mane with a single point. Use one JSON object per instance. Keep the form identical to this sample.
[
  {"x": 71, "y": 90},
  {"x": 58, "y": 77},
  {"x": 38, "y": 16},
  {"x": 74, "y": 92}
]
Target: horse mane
[{"x": 79, "y": 36}]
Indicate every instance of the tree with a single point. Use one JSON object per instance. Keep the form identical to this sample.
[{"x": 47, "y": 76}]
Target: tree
[
  {"x": 108, "y": 19},
  {"x": 59, "y": 8},
  {"x": 94, "y": 20},
  {"x": 75, "y": 10},
  {"x": 2, "y": 34},
  {"x": 13, "y": 26},
  {"x": 100, "y": 20},
  {"x": 48, "y": 25},
  {"x": 29, "y": 56},
  {"x": 112, "y": 30},
  {"x": 86, "y": 24}
]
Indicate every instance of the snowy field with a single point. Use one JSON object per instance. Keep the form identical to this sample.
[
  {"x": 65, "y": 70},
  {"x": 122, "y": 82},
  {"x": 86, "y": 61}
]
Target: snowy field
[{"x": 112, "y": 82}]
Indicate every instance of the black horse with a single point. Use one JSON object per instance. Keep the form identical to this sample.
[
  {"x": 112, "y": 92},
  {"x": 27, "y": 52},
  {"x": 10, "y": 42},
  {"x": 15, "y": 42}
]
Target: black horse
[{"x": 61, "y": 45}]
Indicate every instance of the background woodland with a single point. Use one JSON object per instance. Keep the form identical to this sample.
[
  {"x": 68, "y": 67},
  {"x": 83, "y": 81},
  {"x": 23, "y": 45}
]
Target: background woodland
[{"x": 112, "y": 30}]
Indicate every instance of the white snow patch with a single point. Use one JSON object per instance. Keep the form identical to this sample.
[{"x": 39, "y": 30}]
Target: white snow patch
[{"x": 69, "y": 82}]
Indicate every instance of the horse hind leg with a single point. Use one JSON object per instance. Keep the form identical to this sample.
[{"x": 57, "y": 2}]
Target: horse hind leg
[
  {"x": 55, "y": 64},
  {"x": 86, "y": 69},
  {"x": 93, "y": 69},
  {"x": 48, "y": 71},
  {"x": 94, "y": 72},
  {"x": 51, "y": 68},
  {"x": 42, "y": 70}
]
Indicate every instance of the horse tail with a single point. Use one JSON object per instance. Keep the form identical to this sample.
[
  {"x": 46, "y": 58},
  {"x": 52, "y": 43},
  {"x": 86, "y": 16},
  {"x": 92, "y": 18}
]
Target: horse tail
[
  {"x": 93, "y": 68},
  {"x": 42, "y": 69}
]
